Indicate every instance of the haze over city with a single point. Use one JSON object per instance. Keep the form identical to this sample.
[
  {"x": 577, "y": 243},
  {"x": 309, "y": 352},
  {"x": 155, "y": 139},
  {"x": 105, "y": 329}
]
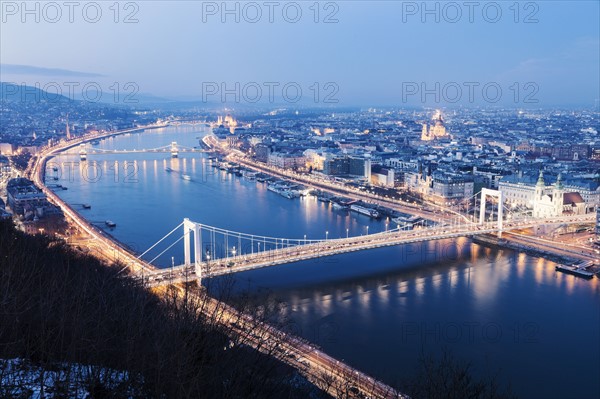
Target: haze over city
[{"x": 369, "y": 50}]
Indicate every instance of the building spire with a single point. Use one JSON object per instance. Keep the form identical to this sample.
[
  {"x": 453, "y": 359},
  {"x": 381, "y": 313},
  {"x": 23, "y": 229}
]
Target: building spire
[
  {"x": 559, "y": 185},
  {"x": 67, "y": 130},
  {"x": 541, "y": 181}
]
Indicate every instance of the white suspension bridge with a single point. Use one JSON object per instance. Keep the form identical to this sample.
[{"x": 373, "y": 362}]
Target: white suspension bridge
[
  {"x": 311, "y": 362},
  {"x": 211, "y": 251},
  {"x": 174, "y": 149}
]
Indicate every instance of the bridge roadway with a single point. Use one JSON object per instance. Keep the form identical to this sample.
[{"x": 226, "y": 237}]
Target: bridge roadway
[
  {"x": 566, "y": 249},
  {"x": 334, "y": 188},
  {"x": 333, "y": 376},
  {"x": 245, "y": 262},
  {"x": 317, "y": 364},
  {"x": 76, "y": 141},
  {"x": 339, "y": 189},
  {"x": 151, "y": 151},
  {"x": 104, "y": 246}
]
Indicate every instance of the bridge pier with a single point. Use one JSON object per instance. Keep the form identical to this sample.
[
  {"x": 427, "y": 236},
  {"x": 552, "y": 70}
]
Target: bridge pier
[
  {"x": 82, "y": 152},
  {"x": 198, "y": 251},
  {"x": 186, "y": 241},
  {"x": 485, "y": 192},
  {"x": 195, "y": 228}
]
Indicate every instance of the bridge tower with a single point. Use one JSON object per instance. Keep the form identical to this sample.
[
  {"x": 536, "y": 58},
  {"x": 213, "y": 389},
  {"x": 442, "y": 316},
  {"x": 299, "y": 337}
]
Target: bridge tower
[
  {"x": 195, "y": 228},
  {"x": 485, "y": 193},
  {"x": 174, "y": 150},
  {"x": 67, "y": 130},
  {"x": 82, "y": 152}
]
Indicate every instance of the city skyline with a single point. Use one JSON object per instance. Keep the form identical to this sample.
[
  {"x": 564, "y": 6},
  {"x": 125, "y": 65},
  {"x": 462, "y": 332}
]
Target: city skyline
[{"x": 326, "y": 199}]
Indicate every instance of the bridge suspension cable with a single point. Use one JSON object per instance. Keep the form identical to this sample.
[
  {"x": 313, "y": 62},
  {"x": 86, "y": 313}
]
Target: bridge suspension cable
[
  {"x": 161, "y": 240},
  {"x": 213, "y": 263},
  {"x": 169, "y": 247},
  {"x": 212, "y": 243}
]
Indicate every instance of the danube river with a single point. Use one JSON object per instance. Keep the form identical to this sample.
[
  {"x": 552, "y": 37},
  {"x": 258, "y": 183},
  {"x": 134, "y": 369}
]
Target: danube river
[{"x": 509, "y": 314}]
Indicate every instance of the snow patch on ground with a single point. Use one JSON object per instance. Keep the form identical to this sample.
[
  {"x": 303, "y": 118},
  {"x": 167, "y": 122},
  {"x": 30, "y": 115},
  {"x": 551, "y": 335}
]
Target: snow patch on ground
[{"x": 23, "y": 379}]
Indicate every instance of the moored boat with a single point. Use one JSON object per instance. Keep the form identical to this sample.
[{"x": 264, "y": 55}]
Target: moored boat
[
  {"x": 365, "y": 211},
  {"x": 288, "y": 194},
  {"x": 576, "y": 270},
  {"x": 338, "y": 206}
]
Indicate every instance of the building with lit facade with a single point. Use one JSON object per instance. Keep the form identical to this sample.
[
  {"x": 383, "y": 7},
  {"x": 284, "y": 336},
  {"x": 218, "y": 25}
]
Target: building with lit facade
[
  {"x": 286, "y": 161},
  {"x": 440, "y": 187},
  {"x": 381, "y": 176},
  {"x": 435, "y": 130},
  {"x": 547, "y": 200}
]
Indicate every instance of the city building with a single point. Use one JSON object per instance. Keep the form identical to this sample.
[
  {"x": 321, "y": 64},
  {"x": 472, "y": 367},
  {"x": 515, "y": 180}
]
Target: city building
[
  {"x": 315, "y": 159},
  {"x": 336, "y": 165},
  {"x": 450, "y": 188},
  {"x": 286, "y": 160},
  {"x": 6, "y": 149},
  {"x": 347, "y": 166},
  {"x": 261, "y": 152},
  {"x": 436, "y": 130},
  {"x": 30, "y": 149},
  {"x": 368, "y": 168},
  {"x": 547, "y": 200},
  {"x": 381, "y": 176},
  {"x": 23, "y": 196},
  {"x": 518, "y": 190},
  {"x": 228, "y": 123},
  {"x": 28, "y": 201},
  {"x": 359, "y": 166},
  {"x": 440, "y": 186},
  {"x": 490, "y": 175}
]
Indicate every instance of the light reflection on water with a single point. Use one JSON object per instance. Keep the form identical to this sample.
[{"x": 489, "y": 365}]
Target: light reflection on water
[{"x": 503, "y": 311}]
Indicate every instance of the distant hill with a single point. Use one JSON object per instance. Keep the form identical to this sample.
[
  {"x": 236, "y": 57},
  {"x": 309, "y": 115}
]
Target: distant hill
[{"x": 18, "y": 92}]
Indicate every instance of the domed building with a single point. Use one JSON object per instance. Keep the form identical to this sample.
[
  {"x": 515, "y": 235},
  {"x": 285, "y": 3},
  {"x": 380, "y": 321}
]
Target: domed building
[{"x": 436, "y": 130}]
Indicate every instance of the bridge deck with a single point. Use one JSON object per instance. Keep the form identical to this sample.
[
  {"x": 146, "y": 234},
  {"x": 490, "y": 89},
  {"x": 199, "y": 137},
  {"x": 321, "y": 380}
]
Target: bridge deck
[{"x": 245, "y": 262}]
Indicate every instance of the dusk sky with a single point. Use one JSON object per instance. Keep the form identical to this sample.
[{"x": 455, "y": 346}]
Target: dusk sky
[{"x": 377, "y": 53}]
